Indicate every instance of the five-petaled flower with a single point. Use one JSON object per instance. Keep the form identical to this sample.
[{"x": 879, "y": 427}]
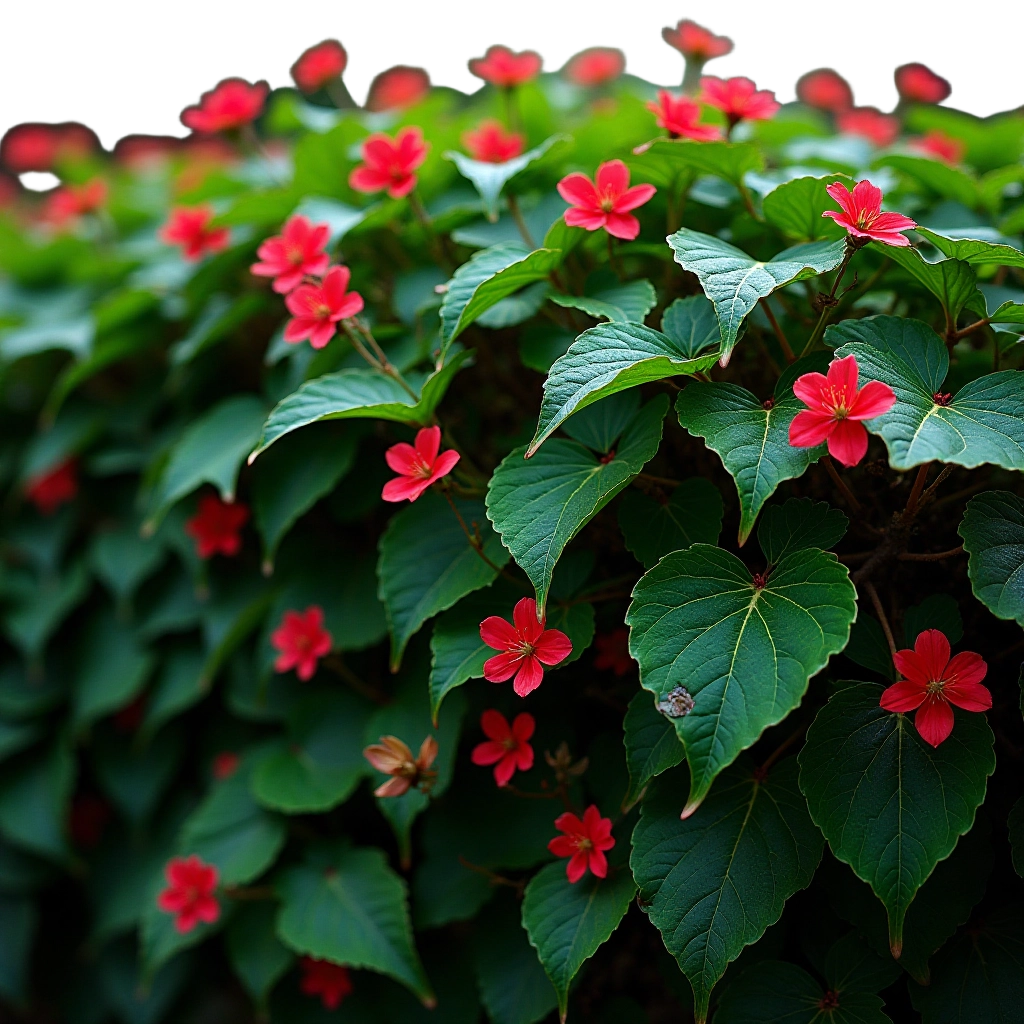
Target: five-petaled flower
[
  {"x": 825, "y": 89},
  {"x": 917, "y": 83},
  {"x": 584, "y": 843},
  {"x": 500, "y": 66},
  {"x": 216, "y": 526},
  {"x": 862, "y": 215},
  {"x": 869, "y": 123},
  {"x": 393, "y": 757},
  {"x": 191, "y": 884},
  {"x": 419, "y": 465},
  {"x": 53, "y": 487},
  {"x": 319, "y": 65},
  {"x": 680, "y": 117},
  {"x": 390, "y": 163},
  {"x": 189, "y": 227},
  {"x": 606, "y": 201},
  {"x": 298, "y": 252},
  {"x": 835, "y": 408},
  {"x": 695, "y": 42},
  {"x": 317, "y": 308},
  {"x": 397, "y": 88},
  {"x": 331, "y": 982},
  {"x": 932, "y": 681},
  {"x": 941, "y": 146},
  {"x": 73, "y": 201},
  {"x": 506, "y": 747},
  {"x": 526, "y": 647},
  {"x": 595, "y": 66},
  {"x": 739, "y": 99},
  {"x": 491, "y": 143},
  {"x": 231, "y": 104},
  {"x": 302, "y": 641},
  {"x": 613, "y": 652}
]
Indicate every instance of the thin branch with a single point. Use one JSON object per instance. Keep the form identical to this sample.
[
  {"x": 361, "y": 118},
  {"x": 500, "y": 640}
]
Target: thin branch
[
  {"x": 971, "y": 328},
  {"x": 826, "y": 461},
  {"x": 520, "y": 222},
  {"x": 880, "y": 612},
  {"x": 779, "y": 333},
  {"x": 936, "y": 556},
  {"x": 915, "y": 492}
]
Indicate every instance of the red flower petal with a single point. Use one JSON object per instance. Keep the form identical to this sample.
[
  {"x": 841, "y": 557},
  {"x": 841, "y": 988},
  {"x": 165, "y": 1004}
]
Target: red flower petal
[
  {"x": 622, "y": 225},
  {"x": 499, "y": 633},
  {"x": 529, "y": 676},
  {"x": 848, "y": 442},
  {"x": 428, "y": 443},
  {"x": 524, "y": 615},
  {"x": 903, "y": 696},
  {"x": 523, "y": 726},
  {"x": 965, "y": 668},
  {"x": 495, "y": 725},
  {"x": 488, "y": 753},
  {"x": 578, "y": 190},
  {"x": 402, "y": 458},
  {"x": 808, "y": 387},
  {"x": 934, "y": 721},
  {"x": 874, "y": 399},
  {"x": 932, "y": 647},
  {"x": 809, "y": 428},
  {"x": 967, "y": 695},
  {"x": 552, "y": 646},
  {"x": 501, "y": 667}
]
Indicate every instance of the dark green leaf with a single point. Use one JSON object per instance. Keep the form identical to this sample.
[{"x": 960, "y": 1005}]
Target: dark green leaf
[
  {"x": 652, "y": 746},
  {"x": 797, "y": 524},
  {"x": 35, "y": 619},
  {"x": 34, "y": 793},
  {"x": 937, "y": 177},
  {"x": 601, "y": 425},
  {"x": 257, "y": 956},
  {"x": 796, "y": 207},
  {"x": 869, "y": 648},
  {"x": 692, "y": 325},
  {"x": 952, "y": 282},
  {"x": 17, "y": 925},
  {"x": 937, "y": 611},
  {"x": 993, "y": 533},
  {"x": 623, "y": 303},
  {"x": 122, "y": 559},
  {"x": 1015, "y": 825},
  {"x": 135, "y": 776},
  {"x": 975, "y": 252}
]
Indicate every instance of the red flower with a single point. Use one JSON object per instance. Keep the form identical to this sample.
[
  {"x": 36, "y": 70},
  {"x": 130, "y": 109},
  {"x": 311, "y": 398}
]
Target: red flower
[
  {"x": 679, "y": 116},
  {"x": 825, "y": 89},
  {"x": 869, "y": 123},
  {"x": 738, "y": 98},
  {"x": 189, "y": 893},
  {"x": 695, "y": 42},
  {"x": 584, "y": 843},
  {"x": 595, "y": 66},
  {"x": 941, "y": 146},
  {"x": 316, "y": 308},
  {"x": 53, "y": 487},
  {"x": 490, "y": 142},
  {"x": 835, "y": 408},
  {"x": 73, "y": 201},
  {"x": 862, "y": 215},
  {"x": 919, "y": 84},
  {"x": 613, "y": 652},
  {"x": 215, "y": 526},
  {"x": 394, "y": 758},
  {"x": 390, "y": 163},
  {"x": 397, "y": 88},
  {"x": 302, "y": 641},
  {"x": 526, "y": 647},
  {"x": 39, "y": 147},
  {"x": 328, "y": 981},
  {"x": 605, "y": 202},
  {"x": 932, "y": 682},
  {"x": 225, "y": 764},
  {"x": 189, "y": 227},
  {"x": 418, "y": 464},
  {"x": 501, "y": 67},
  {"x": 292, "y": 255},
  {"x": 231, "y": 104},
  {"x": 319, "y": 65},
  {"x": 506, "y": 747}
]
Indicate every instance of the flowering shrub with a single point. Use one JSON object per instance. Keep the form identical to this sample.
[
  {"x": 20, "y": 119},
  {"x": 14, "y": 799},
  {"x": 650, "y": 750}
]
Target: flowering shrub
[{"x": 384, "y": 634}]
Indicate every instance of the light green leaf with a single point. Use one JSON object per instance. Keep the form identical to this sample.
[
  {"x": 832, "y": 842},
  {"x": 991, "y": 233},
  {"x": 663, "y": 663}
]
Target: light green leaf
[
  {"x": 624, "y": 303},
  {"x": 973, "y": 251},
  {"x": 799, "y": 523},
  {"x": 668, "y": 159},
  {"x": 652, "y": 746},
  {"x": 993, "y": 533},
  {"x": 796, "y": 208},
  {"x": 937, "y": 177}
]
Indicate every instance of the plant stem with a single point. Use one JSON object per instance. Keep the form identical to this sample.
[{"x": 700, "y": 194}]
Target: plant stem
[
  {"x": 748, "y": 202},
  {"x": 880, "y": 612},
  {"x": 779, "y": 333},
  {"x": 915, "y": 493},
  {"x": 937, "y": 556},
  {"x": 762, "y": 769},
  {"x": 829, "y": 304},
  {"x": 830, "y": 468},
  {"x": 428, "y": 227},
  {"x": 340, "y": 96},
  {"x": 517, "y": 216},
  {"x": 336, "y": 665}
]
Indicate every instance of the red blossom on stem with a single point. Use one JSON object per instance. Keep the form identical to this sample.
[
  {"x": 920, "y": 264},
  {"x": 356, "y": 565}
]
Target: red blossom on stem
[
  {"x": 739, "y": 99},
  {"x": 189, "y": 227},
  {"x": 869, "y": 123},
  {"x": 419, "y": 465},
  {"x": 941, "y": 146},
  {"x": 225, "y": 764},
  {"x": 932, "y": 681},
  {"x": 613, "y": 652},
  {"x": 526, "y": 647},
  {"x": 835, "y": 408},
  {"x": 216, "y": 526},
  {"x": 680, "y": 117},
  {"x": 584, "y": 843},
  {"x": 191, "y": 884},
  {"x": 319, "y": 65},
  {"x": 862, "y": 215},
  {"x": 917, "y": 83},
  {"x": 390, "y": 163},
  {"x": 501, "y": 67},
  {"x": 302, "y": 641},
  {"x": 53, "y": 487},
  {"x": 506, "y": 746},
  {"x": 825, "y": 89},
  {"x": 492, "y": 144},
  {"x": 606, "y": 201},
  {"x": 317, "y": 308},
  {"x": 298, "y": 252},
  {"x": 231, "y": 104},
  {"x": 397, "y": 88},
  {"x": 331, "y": 982},
  {"x": 393, "y": 757},
  {"x": 73, "y": 201},
  {"x": 695, "y": 42},
  {"x": 595, "y": 66}
]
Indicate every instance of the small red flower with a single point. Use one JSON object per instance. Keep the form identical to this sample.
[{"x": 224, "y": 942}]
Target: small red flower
[
  {"x": 294, "y": 254},
  {"x": 330, "y": 982},
  {"x": 490, "y": 143},
  {"x": 869, "y": 123},
  {"x": 225, "y": 764},
  {"x": 835, "y": 408},
  {"x": 419, "y": 465},
  {"x": 526, "y": 647},
  {"x": 215, "y": 526},
  {"x": 680, "y": 117},
  {"x": 584, "y": 843},
  {"x": 862, "y": 215},
  {"x": 394, "y": 758},
  {"x": 231, "y": 104},
  {"x": 595, "y": 66},
  {"x": 941, "y": 146},
  {"x": 316, "y": 308},
  {"x": 189, "y": 227},
  {"x": 917, "y": 83},
  {"x": 397, "y": 88},
  {"x": 932, "y": 681},
  {"x": 40, "y": 147},
  {"x": 302, "y": 641},
  {"x": 73, "y": 201},
  {"x": 390, "y": 163},
  {"x": 507, "y": 747},
  {"x": 189, "y": 893},
  {"x": 695, "y": 42},
  {"x": 606, "y": 201},
  {"x": 501, "y": 67},
  {"x": 613, "y": 652},
  {"x": 825, "y": 89},
  {"x": 739, "y": 99},
  {"x": 53, "y": 487},
  {"x": 319, "y": 65}
]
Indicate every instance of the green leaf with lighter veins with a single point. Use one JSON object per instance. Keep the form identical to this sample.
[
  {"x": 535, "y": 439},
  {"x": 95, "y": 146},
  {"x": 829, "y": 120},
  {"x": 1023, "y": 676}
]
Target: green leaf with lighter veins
[
  {"x": 974, "y": 251},
  {"x": 652, "y": 746},
  {"x": 993, "y": 533},
  {"x": 952, "y": 282}
]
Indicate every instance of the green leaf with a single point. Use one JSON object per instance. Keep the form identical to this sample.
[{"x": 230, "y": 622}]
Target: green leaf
[
  {"x": 539, "y": 505},
  {"x": 703, "y": 880},
  {"x": 937, "y": 177},
  {"x": 1015, "y": 826},
  {"x": 653, "y": 528},
  {"x": 797, "y": 524},
  {"x": 936, "y": 611},
  {"x": 869, "y": 648},
  {"x": 744, "y": 655},
  {"x": 18, "y": 918},
  {"x": 256, "y": 954},
  {"x": 982, "y": 423},
  {"x": 567, "y": 923},
  {"x": 735, "y": 282},
  {"x": 122, "y": 559},
  {"x": 346, "y": 905},
  {"x": 180, "y": 684},
  {"x": 952, "y": 282},
  {"x": 890, "y": 805},
  {"x": 692, "y": 325},
  {"x": 993, "y": 533},
  {"x": 974, "y": 251},
  {"x": 652, "y": 746},
  {"x": 667, "y": 159},
  {"x": 796, "y": 207},
  {"x": 624, "y": 303},
  {"x": 35, "y": 619},
  {"x": 34, "y": 794},
  {"x": 427, "y": 563},
  {"x": 136, "y": 775},
  {"x": 600, "y": 426}
]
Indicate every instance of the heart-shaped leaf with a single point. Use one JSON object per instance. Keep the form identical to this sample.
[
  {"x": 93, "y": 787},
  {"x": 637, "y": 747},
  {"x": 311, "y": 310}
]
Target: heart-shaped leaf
[
  {"x": 993, "y": 533},
  {"x": 796, "y": 208},
  {"x": 622, "y": 303},
  {"x": 692, "y": 325},
  {"x": 952, "y": 282},
  {"x": 799, "y": 523}
]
